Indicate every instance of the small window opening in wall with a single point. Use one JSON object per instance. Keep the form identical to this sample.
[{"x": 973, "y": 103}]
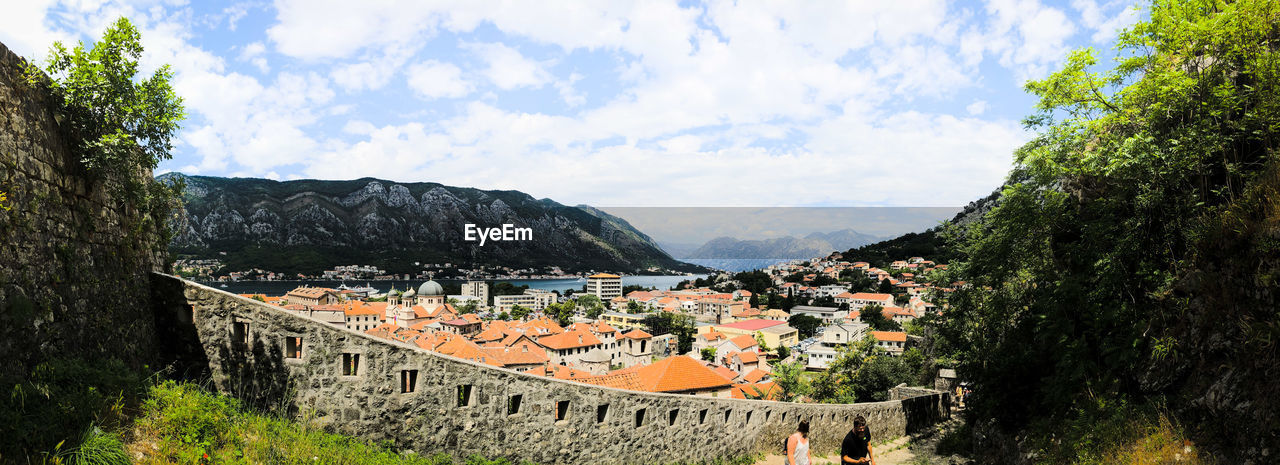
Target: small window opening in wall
[
  {"x": 747, "y": 421},
  {"x": 408, "y": 380},
  {"x": 513, "y": 404},
  {"x": 188, "y": 314},
  {"x": 671, "y": 417},
  {"x": 639, "y": 418},
  {"x": 464, "y": 395},
  {"x": 602, "y": 413},
  {"x": 240, "y": 333},
  {"x": 767, "y": 414},
  {"x": 350, "y": 364},
  {"x": 727, "y": 414},
  {"x": 562, "y": 410},
  {"x": 702, "y": 416},
  {"x": 293, "y": 347}
]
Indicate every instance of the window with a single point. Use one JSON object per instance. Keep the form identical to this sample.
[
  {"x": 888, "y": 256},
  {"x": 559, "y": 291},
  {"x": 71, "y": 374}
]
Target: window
[
  {"x": 748, "y": 420},
  {"x": 293, "y": 347},
  {"x": 727, "y": 414},
  {"x": 350, "y": 364},
  {"x": 702, "y": 416},
  {"x": 464, "y": 395},
  {"x": 639, "y": 418},
  {"x": 602, "y": 413},
  {"x": 240, "y": 333},
  {"x": 408, "y": 380},
  {"x": 513, "y": 404},
  {"x": 671, "y": 417},
  {"x": 188, "y": 315},
  {"x": 562, "y": 410}
]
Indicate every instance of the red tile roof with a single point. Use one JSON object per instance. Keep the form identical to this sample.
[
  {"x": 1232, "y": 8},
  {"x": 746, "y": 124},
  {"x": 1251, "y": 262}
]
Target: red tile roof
[
  {"x": 637, "y": 334},
  {"x": 679, "y": 373},
  {"x": 569, "y": 340},
  {"x": 753, "y": 325}
]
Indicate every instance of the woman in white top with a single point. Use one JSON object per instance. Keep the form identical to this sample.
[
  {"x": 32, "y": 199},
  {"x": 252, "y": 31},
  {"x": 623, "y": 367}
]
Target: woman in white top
[{"x": 798, "y": 446}]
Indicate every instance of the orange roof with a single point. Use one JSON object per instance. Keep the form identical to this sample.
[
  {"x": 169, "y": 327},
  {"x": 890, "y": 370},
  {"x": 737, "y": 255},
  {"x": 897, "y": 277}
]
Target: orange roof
[
  {"x": 525, "y": 353},
  {"x": 871, "y": 296},
  {"x": 383, "y": 331},
  {"x": 749, "y": 357},
  {"x": 602, "y": 327},
  {"x": 560, "y": 372},
  {"x": 636, "y": 334},
  {"x": 619, "y": 379},
  {"x": 359, "y": 308},
  {"x": 890, "y": 336},
  {"x": 754, "y": 376},
  {"x": 679, "y": 373},
  {"x": 713, "y": 335},
  {"x": 725, "y": 371},
  {"x": 603, "y": 275},
  {"x": 462, "y": 348},
  {"x": 744, "y": 341},
  {"x": 569, "y": 340},
  {"x": 311, "y": 292}
]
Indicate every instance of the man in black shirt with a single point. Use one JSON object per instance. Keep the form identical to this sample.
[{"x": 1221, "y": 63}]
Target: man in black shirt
[{"x": 856, "y": 448}]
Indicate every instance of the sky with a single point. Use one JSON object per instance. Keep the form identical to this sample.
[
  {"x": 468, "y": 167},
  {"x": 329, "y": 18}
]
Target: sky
[{"x": 899, "y": 103}]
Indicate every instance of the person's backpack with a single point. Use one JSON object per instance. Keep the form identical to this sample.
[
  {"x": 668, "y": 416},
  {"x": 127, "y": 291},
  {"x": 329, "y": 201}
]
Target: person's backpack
[{"x": 785, "y": 439}]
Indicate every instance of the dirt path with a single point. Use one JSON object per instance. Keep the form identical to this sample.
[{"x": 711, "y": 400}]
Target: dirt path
[{"x": 912, "y": 450}]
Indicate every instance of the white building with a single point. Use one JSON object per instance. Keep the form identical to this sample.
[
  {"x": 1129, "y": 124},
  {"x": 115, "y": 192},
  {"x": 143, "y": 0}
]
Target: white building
[
  {"x": 828, "y": 315},
  {"x": 605, "y": 286},
  {"x": 533, "y": 299},
  {"x": 478, "y": 289},
  {"x": 823, "y": 353}
]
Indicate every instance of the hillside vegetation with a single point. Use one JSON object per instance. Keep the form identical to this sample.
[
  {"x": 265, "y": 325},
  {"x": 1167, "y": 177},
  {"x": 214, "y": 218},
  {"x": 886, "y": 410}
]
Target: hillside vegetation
[{"x": 1132, "y": 262}]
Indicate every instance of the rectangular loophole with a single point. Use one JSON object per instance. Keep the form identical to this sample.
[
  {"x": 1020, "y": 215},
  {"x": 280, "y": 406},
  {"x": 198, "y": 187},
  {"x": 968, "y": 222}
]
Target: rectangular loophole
[
  {"x": 464, "y": 395},
  {"x": 513, "y": 404},
  {"x": 767, "y": 414},
  {"x": 639, "y": 418},
  {"x": 747, "y": 421},
  {"x": 293, "y": 347},
  {"x": 602, "y": 413},
  {"x": 408, "y": 381},
  {"x": 702, "y": 416},
  {"x": 727, "y": 414},
  {"x": 240, "y": 333},
  {"x": 672, "y": 416},
  {"x": 188, "y": 315},
  {"x": 562, "y": 410},
  {"x": 350, "y": 364}
]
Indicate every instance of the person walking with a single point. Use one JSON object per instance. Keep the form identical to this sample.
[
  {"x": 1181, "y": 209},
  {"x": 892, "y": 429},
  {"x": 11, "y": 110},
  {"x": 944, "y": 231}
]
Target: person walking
[
  {"x": 856, "y": 448},
  {"x": 798, "y": 446}
]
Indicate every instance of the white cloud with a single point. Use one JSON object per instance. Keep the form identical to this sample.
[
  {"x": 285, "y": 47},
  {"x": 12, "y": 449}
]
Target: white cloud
[
  {"x": 432, "y": 79},
  {"x": 977, "y": 107},
  {"x": 507, "y": 68}
]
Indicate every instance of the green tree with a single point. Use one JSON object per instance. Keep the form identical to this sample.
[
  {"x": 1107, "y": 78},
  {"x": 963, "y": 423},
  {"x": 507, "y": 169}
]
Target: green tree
[
  {"x": 591, "y": 305},
  {"x": 789, "y": 377},
  {"x": 709, "y": 354},
  {"x": 518, "y": 312},
  {"x": 120, "y": 125},
  {"x": 873, "y": 316},
  {"x": 764, "y": 346},
  {"x": 682, "y": 325},
  {"x": 783, "y": 352},
  {"x": 1082, "y": 275},
  {"x": 839, "y": 383},
  {"x": 806, "y": 325},
  {"x": 634, "y": 307}
]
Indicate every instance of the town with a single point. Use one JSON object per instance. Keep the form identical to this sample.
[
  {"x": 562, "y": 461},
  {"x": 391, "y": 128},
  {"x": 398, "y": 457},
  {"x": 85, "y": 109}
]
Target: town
[{"x": 752, "y": 335}]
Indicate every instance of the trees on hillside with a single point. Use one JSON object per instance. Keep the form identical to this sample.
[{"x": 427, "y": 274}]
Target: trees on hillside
[
  {"x": 1083, "y": 273},
  {"x": 806, "y": 325}
]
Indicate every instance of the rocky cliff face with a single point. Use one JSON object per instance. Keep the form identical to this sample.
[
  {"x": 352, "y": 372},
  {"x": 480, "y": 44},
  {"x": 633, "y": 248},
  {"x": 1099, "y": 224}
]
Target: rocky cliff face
[{"x": 308, "y": 225}]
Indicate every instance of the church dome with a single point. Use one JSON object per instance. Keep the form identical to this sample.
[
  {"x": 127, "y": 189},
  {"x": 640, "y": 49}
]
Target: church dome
[
  {"x": 430, "y": 288},
  {"x": 393, "y": 293},
  {"x": 408, "y": 293}
]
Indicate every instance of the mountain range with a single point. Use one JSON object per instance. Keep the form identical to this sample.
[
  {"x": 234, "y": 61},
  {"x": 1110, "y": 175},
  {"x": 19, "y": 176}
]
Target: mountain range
[
  {"x": 305, "y": 226},
  {"x": 816, "y": 244}
]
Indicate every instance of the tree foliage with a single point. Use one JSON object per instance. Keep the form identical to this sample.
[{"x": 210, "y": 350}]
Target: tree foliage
[
  {"x": 682, "y": 325},
  {"x": 806, "y": 325},
  {"x": 1074, "y": 273}
]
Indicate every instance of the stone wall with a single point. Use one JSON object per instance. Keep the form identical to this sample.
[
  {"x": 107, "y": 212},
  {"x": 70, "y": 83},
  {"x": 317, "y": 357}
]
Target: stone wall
[
  {"x": 599, "y": 425},
  {"x": 73, "y": 265}
]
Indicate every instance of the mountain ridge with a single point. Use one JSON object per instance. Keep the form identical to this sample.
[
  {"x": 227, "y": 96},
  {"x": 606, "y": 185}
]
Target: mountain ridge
[
  {"x": 815, "y": 244},
  {"x": 309, "y": 225}
]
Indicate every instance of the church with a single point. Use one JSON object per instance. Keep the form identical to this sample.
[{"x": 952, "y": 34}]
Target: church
[{"x": 426, "y": 304}]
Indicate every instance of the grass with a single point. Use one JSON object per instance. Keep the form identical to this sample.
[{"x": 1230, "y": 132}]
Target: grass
[
  {"x": 182, "y": 423},
  {"x": 1112, "y": 431}
]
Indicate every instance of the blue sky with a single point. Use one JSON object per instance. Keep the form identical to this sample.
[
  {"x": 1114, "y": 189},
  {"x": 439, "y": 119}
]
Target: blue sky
[{"x": 754, "y": 103}]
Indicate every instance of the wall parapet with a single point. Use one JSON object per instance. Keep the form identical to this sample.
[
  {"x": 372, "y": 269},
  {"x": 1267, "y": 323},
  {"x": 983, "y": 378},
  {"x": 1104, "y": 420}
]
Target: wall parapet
[{"x": 356, "y": 384}]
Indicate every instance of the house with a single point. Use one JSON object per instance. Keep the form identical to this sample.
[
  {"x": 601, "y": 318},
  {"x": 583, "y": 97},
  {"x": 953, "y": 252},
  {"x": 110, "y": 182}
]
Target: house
[
  {"x": 828, "y": 315},
  {"x": 624, "y": 321},
  {"x": 313, "y": 296},
  {"x": 833, "y": 337},
  {"x": 569, "y": 347},
  {"x": 894, "y": 342},
  {"x": 605, "y": 286},
  {"x": 682, "y": 375},
  {"x": 636, "y": 348},
  {"x": 863, "y": 299},
  {"x": 775, "y": 333}
]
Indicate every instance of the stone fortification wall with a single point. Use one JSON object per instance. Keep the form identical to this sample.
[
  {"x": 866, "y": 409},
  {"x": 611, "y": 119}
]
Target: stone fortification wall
[
  {"x": 461, "y": 407},
  {"x": 73, "y": 264}
]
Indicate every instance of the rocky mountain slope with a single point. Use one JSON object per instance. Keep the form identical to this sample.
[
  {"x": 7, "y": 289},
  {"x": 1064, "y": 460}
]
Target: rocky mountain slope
[{"x": 309, "y": 225}]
